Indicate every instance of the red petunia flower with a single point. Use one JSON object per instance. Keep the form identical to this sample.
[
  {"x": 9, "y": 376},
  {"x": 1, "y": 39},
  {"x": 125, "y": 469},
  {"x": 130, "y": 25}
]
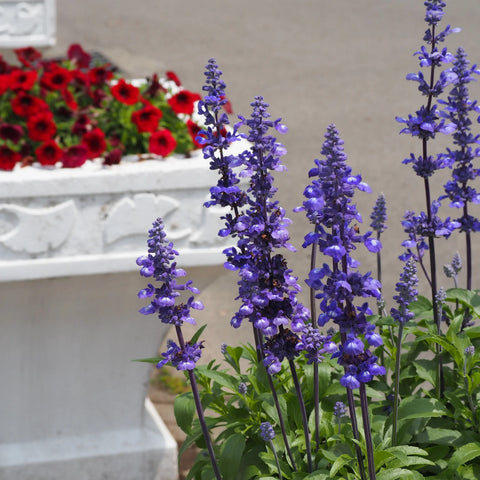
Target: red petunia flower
[
  {"x": 75, "y": 156},
  {"x": 69, "y": 99},
  {"x": 125, "y": 92},
  {"x": 162, "y": 143},
  {"x": 100, "y": 75},
  {"x": 79, "y": 56},
  {"x": 184, "y": 102},
  {"x": 193, "y": 130},
  {"x": 49, "y": 153},
  {"x": 173, "y": 77},
  {"x": 57, "y": 78},
  {"x": 95, "y": 142},
  {"x": 228, "y": 106},
  {"x": 41, "y": 127},
  {"x": 146, "y": 119},
  {"x": 4, "y": 83},
  {"x": 80, "y": 127},
  {"x": 28, "y": 55},
  {"x": 22, "y": 79},
  {"x": 8, "y": 158},
  {"x": 14, "y": 133},
  {"x": 24, "y": 104},
  {"x": 113, "y": 157}
]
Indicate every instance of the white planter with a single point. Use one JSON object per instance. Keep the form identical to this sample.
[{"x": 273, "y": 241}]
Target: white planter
[
  {"x": 25, "y": 23},
  {"x": 95, "y": 219},
  {"x": 73, "y": 402}
]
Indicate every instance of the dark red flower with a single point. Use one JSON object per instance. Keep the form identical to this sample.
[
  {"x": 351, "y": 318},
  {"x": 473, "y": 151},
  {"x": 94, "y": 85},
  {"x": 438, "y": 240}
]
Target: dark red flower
[
  {"x": 22, "y": 79},
  {"x": 41, "y": 127},
  {"x": 98, "y": 96},
  {"x": 80, "y": 127},
  {"x": 11, "y": 132},
  {"x": 75, "y": 156},
  {"x": 173, "y": 77},
  {"x": 79, "y": 56},
  {"x": 154, "y": 86},
  {"x": 69, "y": 99},
  {"x": 28, "y": 55},
  {"x": 24, "y": 104},
  {"x": 4, "y": 83},
  {"x": 95, "y": 142},
  {"x": 193, "y": 130},
  {"x": 100, "y": 75},
  {"x": 125, "y": 92},
  {"x": 57, "y": 78},
  {"x": 162, "y": 142},
  {"x": 8, "y": 158},
  {"x": 113, "y": 157},
  {"x": 146, "y": 119},
  {"x": 49, "y": 153},
  {"x": 183, "y": 102}
]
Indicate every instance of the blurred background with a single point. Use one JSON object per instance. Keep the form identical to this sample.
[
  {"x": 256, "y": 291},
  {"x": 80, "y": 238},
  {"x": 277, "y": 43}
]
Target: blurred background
[{"x": 316, "y": 62}]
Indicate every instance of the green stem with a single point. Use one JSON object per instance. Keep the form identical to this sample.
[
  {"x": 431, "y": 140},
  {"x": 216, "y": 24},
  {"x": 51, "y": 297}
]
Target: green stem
[
  {"x": 201, "y": 416},
  {"x": 303, "y": 412},
  {"x": 272, "y": 446},
  {"x": 367, "y": 431},
  {"x": 396, "y": 399}
]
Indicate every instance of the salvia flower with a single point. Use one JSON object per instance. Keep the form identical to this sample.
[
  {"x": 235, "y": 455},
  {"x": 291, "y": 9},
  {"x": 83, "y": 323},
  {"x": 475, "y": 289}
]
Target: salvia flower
[
  {"x": 314, "y": 344},
  {"x": 267, "y": 432},
  {"x": 453, "y": 269},
  {"x": 379, "y": 215},
  {"x": 458, "y": 109},
  {"x": 470, "y": 351},
  {"x": 216, "y": 139},
  {"x": 242, "y": 388},
  {"x": 160, "y": 265},
  {"x": 329, "y": 206},
  {"x": 407, "y": 292},
  {"x": 181, "y": 359},
  {"x": 339, "y": 410}
]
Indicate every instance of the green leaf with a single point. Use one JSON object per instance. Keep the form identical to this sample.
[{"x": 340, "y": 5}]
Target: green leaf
[
  {"x": 413, "y": 407},
  {"x": 222, "y": 378},
  {"x": 197, "y": 334},
  {"x": 339, "y": 463},
  {"x": 426, "y": 370},
  {"x": 231, "y": 455},
  {"x": 149, "y": 360},
  {"x": 184, "y": 410},
  {"x": 438, "y": 436},
  {"x": 395, "y": 473},
  {"x": 463, "y": 454}
]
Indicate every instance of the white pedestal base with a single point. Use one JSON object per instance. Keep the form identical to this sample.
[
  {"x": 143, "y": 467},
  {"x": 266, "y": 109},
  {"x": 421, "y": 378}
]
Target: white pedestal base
[{"x": 149, "y": 453}]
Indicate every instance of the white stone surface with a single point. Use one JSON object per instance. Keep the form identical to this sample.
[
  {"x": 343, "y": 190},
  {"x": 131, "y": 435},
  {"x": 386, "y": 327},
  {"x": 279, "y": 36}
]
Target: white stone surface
[
  {"x": 27, "y": 23},
  {"x": 94, "y": 219},
  {"x": 73, "y": 399}
]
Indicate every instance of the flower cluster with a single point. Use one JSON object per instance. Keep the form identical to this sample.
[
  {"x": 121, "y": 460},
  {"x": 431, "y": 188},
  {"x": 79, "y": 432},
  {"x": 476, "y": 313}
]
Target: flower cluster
[
  {"x": 181, "y": 358},
  {"x": 458, "y": 108},
  {"x": 267, "y": 287},
  {"x": 329, "y": 207},
  {"x": 407, "y": 292},
  {"x": 160, "y": 264},
  {"x": 66, "y": 111}
]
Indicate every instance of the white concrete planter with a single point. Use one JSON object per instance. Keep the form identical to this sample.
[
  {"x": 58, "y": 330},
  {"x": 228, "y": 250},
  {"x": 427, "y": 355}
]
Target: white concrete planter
[
  {"x": 25, "y": 23},
  {"x": 95, "y": 219},
  {"x": 73, "y": 402}
]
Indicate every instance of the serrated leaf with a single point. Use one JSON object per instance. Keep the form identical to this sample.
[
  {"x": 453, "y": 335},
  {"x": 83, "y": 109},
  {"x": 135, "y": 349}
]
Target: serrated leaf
[
  {"x": 396, "y": 473},
  {"x": 197, "y": 334},
  {"x": 184, "y": 410}
]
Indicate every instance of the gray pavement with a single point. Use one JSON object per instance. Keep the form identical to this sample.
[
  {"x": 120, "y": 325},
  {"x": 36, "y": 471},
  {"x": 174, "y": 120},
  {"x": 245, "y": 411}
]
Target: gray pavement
[{"x": 315, "y": 62}]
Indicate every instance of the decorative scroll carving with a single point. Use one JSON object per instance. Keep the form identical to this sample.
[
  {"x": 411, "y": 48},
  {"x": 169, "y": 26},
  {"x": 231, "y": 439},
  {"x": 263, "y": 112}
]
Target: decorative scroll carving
[
  {"x": 38, "y": 230},
  {"x": 133, "y": 216}
]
